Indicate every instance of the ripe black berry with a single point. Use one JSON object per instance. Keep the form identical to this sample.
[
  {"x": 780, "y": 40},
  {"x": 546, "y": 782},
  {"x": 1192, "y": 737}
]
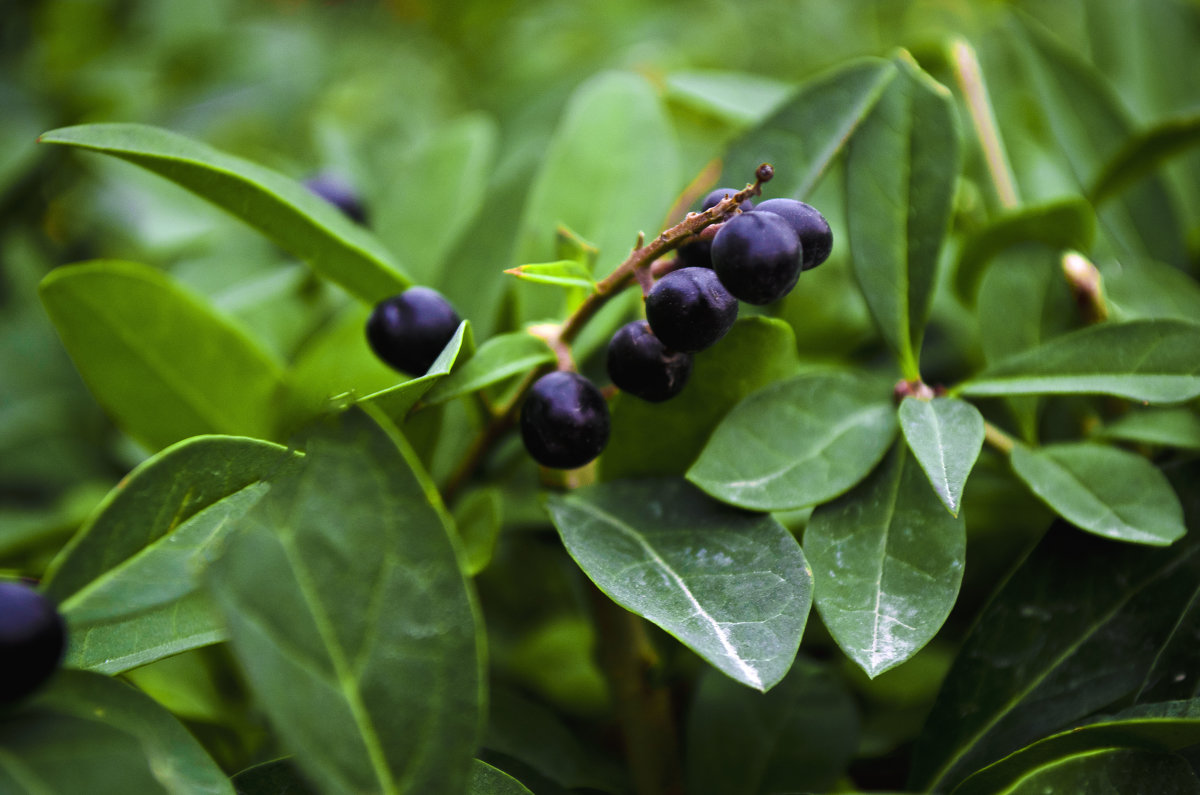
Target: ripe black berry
[
  {"x": 564, "y": 420},
  {"x": 697, "y": 254},
  {"x": 409, "y": 330},
  {"x": 641, "y": 365},
  {"x": 816, "y": 238},
  {"x": 689, "y": 309},
  {"x": 757, "y": 257},
  {"x": 339, "y": 193},
  {"x": 32, "y": 639}
]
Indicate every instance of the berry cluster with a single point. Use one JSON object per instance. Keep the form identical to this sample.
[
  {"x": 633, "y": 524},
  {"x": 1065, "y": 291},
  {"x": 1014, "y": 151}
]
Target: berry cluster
[
  {"x": 756, "y": 255},
  {"x": 32, "y": 640}
]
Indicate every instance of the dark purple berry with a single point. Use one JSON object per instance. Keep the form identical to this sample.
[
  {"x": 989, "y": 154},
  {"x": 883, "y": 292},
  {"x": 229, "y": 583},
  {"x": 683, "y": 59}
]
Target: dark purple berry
[
  {"x": 564, "y": 421},
  {"x": 698, "y": 253},
  {"x": 339, "y": 193},
  {"x": 689, "y": 309},
  {"x": 757, "y": 257},
  {"x": 816, "y": 238},
  {"x": 33, "y": 637},
  {"x": 409, "y": 330},
  {"x": 638, "y": 363},
  {"x": 714, "y": 198}
]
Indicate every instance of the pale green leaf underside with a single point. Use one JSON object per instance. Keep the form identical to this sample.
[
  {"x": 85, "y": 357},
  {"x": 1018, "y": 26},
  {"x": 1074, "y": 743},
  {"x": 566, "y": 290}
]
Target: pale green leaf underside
[
  {"x": 497, "y": 359},
  {"x": 732, "y": 586},
  {"x": 396, "y": 401},
  {"x": 946, "y": 436},
  {"x": 279, "y": 207}
]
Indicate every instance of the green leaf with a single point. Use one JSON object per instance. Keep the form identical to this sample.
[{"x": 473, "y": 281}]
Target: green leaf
[
  {"x": 499, "y": 358},
  {"x": 157, "y": 358},
  {"x": 395, "y": 402},
  {"x": 280, "y": 208},
  {"x": 732, "y": 586},
  {"x": 487, "y": 780},
  {"x": 1104, "y": 490},
  {"x": 1172, "y": 427},
  {"x": 1110, "y": 771},
  {"x": 277, "y": 777},
  {"x": 798, "y": 442},
  {"x": 89, "y": 733},
  {"x": 665, "y": 438},
  {"x": 1058, "y": 641},
  {"x": 1169, "y": 726},
  {"x": 1152, "y": 290},
  {"x": 946, "y": 436},
  {"x": 1156, "y": 361},
  {"x": 349, "y": 613},
  {"x": 797, "y": 738},
  {"x": 1064, "y": 224},
  {"x": 561, "y": 273},
  {"x": 128, "y": 582},
  {"x": 887, "y": 564},
  {"x": 1143, "y": 153},
  {"x": 478, "y": 519},
  {"x": 901, "y": 173},
  {"x": 804, "y": 136}
]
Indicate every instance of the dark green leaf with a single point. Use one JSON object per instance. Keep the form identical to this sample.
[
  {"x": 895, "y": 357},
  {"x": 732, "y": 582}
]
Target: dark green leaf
[
  {"x": 1111, "y": 771},
  {"x": 732, "y": 586},
  {"x": 1064, "y": 224},
  {"x": 499, "y": 358},
  {"x": 798, "y": 442},
  {"x": 901, "y": 172},
  {"x": 665, "y": 438},
  {"x": 811, "y": 129},
  {"x": 1106, "y": 491},
  {"x": 887, "y": 563},
  {"x": 487, "y": 780},
  {"x": 1157, "y": 361},
  {"x": 352, "y": 620},
  {"x": 1168, "y": 726},
  {"x": 280, "y": 208},
  {"x": 158, "y": 359},
  {"x": 946, "y": 436},
  {"x": 277, "y": 777},
  {"x": 1172, "y": 427},
  {"x": 1059, "y": 641},
  {"x": 797, "y": 738},
  {"x": 1143, "y": 153},
  {"x": 88, "y": 733},
  {"x": 561, "y": 273}
]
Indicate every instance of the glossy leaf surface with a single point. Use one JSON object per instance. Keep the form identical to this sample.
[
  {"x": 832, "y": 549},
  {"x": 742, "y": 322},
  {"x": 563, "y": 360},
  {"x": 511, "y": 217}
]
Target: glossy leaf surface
[
  {"x": 1111, "y": 771},
  {"x": 161, "y": 361},
  {"x": 798, "y": 442},
  {"x": 1157, "y": 361},
  {"x": 946, "y": 436},
  {"x": 499, "y": 358},
  {"x": 282, "y": 209},
  {"x": 358, "y": 635},
  {"x": 887, "y": 564},
  {"x": 901, "y": 170},
  {"x": 732, "y": 586},
  {"x": 1172, "y": 427},
  {"x": 487, "y": 780},
  {"x": 90, "y": 733}
]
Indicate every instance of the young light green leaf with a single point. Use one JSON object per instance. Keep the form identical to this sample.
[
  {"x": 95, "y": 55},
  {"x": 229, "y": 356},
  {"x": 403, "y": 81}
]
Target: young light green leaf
[
  {"x": 807, "y": 133},
  {"x": 90, "y": 733},
  {"x": 1143, "y": 153},
  {"x": 1156, "y": 361},
  {"x": 901, "y": 173},
  {"x": 161, "y": 361},
  {"x": 946, "y": 436},
  {"x": 1171, "y": 427},
  {"x": 1064, "y": 224},
  {"x": 1169, "y": 726},
  {"x": 487, "y": 780},
  {"x": 1110, "y": 770},
  {"x": 798, "y": 738},
  {"x": 798, "y": 442},
  {"x": 280, "y": 208},
  {"x": 499, "y": 358},
  {"x": 396, "y": 401},
  {"x": 561, "y": 273},
  {"x": 732, "y": 586},
  {"x": 478, "y": 519},
  {"x": 1104, "y": 490},
  {"x": 887, "y": 564},
  {"x": 665, "y": 438},
  {"x": 350, "y": 615}
]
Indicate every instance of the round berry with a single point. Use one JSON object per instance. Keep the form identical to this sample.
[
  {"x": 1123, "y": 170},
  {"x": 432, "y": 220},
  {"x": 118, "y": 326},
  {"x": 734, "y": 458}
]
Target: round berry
[
  {"x": 698, "y": 253},
  {"x": 564, "y": 420},
  {"x": 641, "y": 365},
  {"x": 409, "y": 330},
  {"x": 339, "y": 193},
  {"x": 816, "y": 238},
  {"x": 32, "y": 639},
  {"x": 689, "y": 309},
  {"x": 714, "y": 198},
  {"x": 757, "y": 257}
]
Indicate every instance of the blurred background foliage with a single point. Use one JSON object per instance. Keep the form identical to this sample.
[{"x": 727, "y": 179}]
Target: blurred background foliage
[{"x": 441, "y": 113}]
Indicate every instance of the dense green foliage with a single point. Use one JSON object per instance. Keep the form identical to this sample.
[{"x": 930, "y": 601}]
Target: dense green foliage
[{"x": 928, "y": 523}]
